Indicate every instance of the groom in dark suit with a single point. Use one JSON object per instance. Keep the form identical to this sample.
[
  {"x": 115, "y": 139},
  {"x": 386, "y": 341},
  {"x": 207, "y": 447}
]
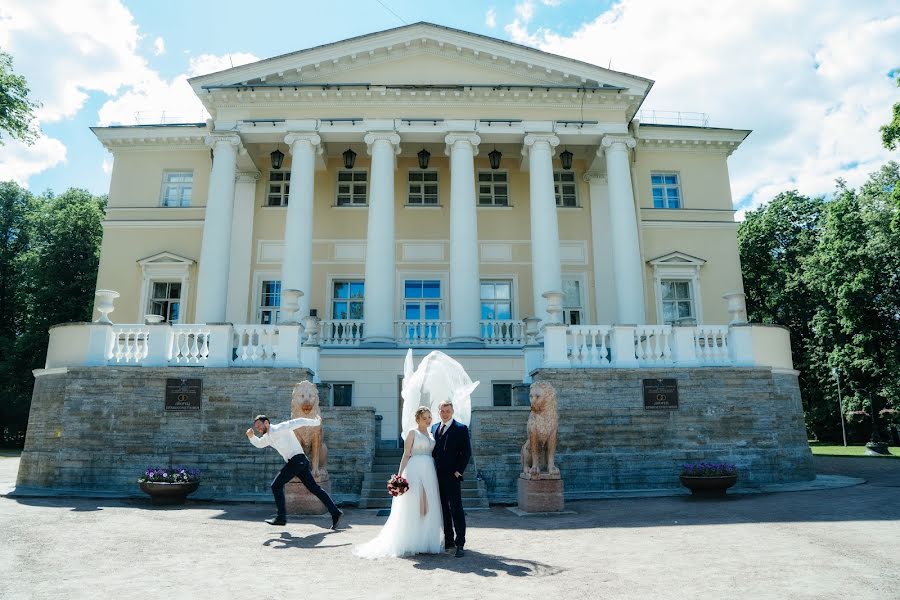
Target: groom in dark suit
[{"x": 452, "y": 451}]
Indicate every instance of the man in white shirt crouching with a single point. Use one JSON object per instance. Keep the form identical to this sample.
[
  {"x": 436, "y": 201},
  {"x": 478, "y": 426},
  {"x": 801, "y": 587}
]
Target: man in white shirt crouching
[{"x": 281, "y": 437}]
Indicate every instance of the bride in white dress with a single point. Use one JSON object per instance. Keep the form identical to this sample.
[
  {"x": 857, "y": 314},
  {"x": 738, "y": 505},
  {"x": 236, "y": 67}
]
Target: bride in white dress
[{"x": 415, "y": 525}]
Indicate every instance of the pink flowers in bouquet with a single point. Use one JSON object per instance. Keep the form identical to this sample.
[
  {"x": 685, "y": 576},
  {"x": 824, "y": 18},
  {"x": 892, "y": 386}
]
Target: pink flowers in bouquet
[{"x": 397, "y": 485}]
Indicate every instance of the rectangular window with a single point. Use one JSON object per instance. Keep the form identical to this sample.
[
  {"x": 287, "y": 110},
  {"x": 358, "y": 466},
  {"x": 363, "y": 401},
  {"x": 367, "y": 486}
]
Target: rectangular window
[
  {"x": 572, "y": 302},
  {"x": 342, "y": 394},
  {"x": 279, "y": 188},
  {"x": 347, "y": 299},
  {"x": 666, "y": 190},
  {"x": 565, "y": 188},
  {"x": 176, "y": 188},
  {"x": 493, "y": 188},
  {"x": 496, "y": 299},
  {"x": 678, "y": 302},
  {"x": 269, "y": 302},
  {"x": 423, "y": 188},
  {"x": 422, "y": 300},
  {"x": 165, "y": 300},
  {"x": 352, "y": 188},
  {"x": 502, "y": 394}
]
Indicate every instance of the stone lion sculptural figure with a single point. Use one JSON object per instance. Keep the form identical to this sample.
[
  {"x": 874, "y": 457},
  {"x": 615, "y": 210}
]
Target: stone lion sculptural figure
[
  {"x": 305, "y": 403},
  {"x": 543, "y": 423}
]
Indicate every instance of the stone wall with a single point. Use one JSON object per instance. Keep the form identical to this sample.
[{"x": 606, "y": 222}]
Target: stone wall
[
  {"x": 608, "y": 441},
  {"x": 96, "y": 429}
]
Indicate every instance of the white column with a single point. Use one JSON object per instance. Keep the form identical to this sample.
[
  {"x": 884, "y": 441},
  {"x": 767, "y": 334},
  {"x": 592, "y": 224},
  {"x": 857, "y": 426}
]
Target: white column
[
  {"x": 546, "y": 273},
  {"x": 465, "y": 309},
  {"x": 296, "y": 264},
  {"x": 212, "y": 281},
  {"x": 627, "y": 264},
  {"x": 601, "y": 243},
  {"x": 378, "y": 306},
  {"x": 241, "y": 248}
]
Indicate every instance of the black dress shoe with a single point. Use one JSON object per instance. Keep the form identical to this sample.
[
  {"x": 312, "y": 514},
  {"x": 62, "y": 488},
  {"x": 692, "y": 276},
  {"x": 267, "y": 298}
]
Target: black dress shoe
[
  {"x": 276, "y": 521},
  {"x": 459, "y": 552},
  {"x": 335, "y": 518},
  {"x": 449, "y": 545}
]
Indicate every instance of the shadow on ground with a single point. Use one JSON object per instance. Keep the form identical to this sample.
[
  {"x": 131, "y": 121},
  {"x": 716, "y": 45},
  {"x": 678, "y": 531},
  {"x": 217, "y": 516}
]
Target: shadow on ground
[{"x": 483, "y": 565}]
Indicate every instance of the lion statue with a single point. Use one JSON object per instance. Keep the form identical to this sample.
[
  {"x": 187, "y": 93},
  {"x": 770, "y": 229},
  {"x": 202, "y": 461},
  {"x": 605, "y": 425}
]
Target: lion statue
[
  {"x": 543, "y": 423},
  {"x": 305, "y": 403}
]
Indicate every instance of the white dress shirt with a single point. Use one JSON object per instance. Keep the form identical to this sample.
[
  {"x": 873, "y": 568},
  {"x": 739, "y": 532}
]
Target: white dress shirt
[{"x": 281, "y": 437}]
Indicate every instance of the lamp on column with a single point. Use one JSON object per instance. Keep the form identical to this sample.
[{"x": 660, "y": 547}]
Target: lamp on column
[
  {"x": 424, "y": 156},
  {"x": 565, "y": 158},
  {"x": 277, "y": 157},
  {"x": 349, "y": 158},
  {"x": 494, "y": 156}
]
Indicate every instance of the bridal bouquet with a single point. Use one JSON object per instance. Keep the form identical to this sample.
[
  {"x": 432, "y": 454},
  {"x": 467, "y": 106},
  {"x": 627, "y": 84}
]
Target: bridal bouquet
[{"x": 397, "y": 485}]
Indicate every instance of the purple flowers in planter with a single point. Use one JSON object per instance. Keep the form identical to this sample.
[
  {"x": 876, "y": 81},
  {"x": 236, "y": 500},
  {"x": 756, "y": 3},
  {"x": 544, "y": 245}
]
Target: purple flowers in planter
[
  {"x": 705, "y": 469},
  {"x": 169, "y": 475}
]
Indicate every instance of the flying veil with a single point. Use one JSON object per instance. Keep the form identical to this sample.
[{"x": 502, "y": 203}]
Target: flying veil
[{"x": 438, "y": 377}]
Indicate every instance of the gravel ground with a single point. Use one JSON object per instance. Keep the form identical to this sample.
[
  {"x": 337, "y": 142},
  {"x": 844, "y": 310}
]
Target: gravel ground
[{"x": 837, "y": 543}]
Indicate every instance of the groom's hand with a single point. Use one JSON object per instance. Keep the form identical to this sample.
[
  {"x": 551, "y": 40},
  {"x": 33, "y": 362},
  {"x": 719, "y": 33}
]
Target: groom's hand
[
  {"x": 249, "y": 433},
  {"x": 458, "y": 475}
]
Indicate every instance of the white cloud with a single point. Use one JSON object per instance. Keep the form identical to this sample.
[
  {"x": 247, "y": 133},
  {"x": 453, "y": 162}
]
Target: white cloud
[
  {"x": 209, "y": 63},
  {"x": 808, "y": 77},
  {"x": 490, "y": 18},
  {"x": 525, "y": 11},
  {"x": 19, "y": 162},
  {"x": 159, "y": 46},
  {"x": 553, "y": 3}
]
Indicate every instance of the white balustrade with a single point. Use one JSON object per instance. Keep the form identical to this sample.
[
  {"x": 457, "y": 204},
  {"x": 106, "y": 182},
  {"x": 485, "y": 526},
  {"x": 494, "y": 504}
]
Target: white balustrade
[
  {"x": 653, "y": 344},
  {"x": 128, "y": 344},
  {"x": 711, "y": 344},
  {"x": 255, "y": 344},
  {"x": 588, "y": 345},
  {"x": 501, "y": 332},
  {"x": 341, "y": 332},
  {"x": 422, "y": 332},
  {"x": 190, "y": 344}
]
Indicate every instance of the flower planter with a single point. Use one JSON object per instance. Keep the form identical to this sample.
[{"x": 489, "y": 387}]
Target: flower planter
[
  {"x": 714, "y": 486},
  {"x": 162, "y": 493}
]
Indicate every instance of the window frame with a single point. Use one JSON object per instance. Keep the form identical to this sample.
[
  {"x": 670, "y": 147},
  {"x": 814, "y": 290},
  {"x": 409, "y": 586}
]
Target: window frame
[
  {"x": 580, "y": 308},
  {"x": 353, "y": 182},
  {"x": 164, "y": 267},
  {"x": 421, "y": 194},
  {"x": 557, "y": 189},
  {"x": 331, "y": 401},
  {"x": 422, "y": 301},
  {"x": 493, "y": 192},
  {"x": 152, "y": 299},
  {"x": 512, "y": 391},
  {"x": 284, "y": 184},
  {"x": 678, "y": 266},
  {"x": 677, "y": 300},
  {"x": 482, "y": 300},
  {"x": 332, "y": 299},
  {"x": 665, "y": 186},
  {"x": 181, "y": 185},
  {"x": 261, "y": 308}
]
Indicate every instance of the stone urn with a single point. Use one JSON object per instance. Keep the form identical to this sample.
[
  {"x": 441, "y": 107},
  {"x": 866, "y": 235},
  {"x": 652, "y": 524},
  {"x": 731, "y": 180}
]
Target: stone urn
[
  {"x": 708, "y": 486},
  {"x": 162, "y": 493},
  {"x": 105, "y": 300}
]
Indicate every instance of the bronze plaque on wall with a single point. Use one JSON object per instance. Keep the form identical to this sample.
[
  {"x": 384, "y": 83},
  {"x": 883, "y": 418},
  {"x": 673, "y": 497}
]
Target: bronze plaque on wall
[
  {"x": 660, "y": 394},
  {"x": 183, "y": 394}
]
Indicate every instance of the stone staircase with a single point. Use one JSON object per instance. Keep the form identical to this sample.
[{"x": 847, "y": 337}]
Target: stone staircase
[{"x": 374, "y": 492}]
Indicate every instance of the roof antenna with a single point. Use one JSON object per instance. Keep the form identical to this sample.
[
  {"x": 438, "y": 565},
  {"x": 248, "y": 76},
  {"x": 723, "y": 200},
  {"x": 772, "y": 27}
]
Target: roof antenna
[
  {"x": 231, "y": 61},
  {"x": 609, "y": 66}
]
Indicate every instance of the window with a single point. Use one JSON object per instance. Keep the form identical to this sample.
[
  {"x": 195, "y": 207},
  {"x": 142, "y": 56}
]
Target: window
[
  {"x": 496, "y": 300},
  {"x": 572, "y": 305},
  {"x": 165, "y": 300},
  {"x": 422, "y": 300},
  {"x": 342, "y": 394},
  {"x": 502, "y": 393},
  {"x": 352, "y": 188},
  {"x": 677, "y": 302},
  {"x": 347, "y": 299},
  {"x": 279, "y": 188},
  {"x": 564, "y": 187},
  {"x": 493, "y": 188},
  {"x": 176, "y": 188},
  {"x": 269, "y": 302},
  {"x": 423, "y": 188},
  {"x": 666, "y": 190}
]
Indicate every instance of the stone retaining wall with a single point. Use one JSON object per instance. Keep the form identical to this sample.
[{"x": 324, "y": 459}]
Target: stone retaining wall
[
  {"x": 97, "y": 429},
  {"x": 608, "y": 441}
]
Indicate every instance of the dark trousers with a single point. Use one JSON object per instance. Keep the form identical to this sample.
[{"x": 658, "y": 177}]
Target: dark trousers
[
  {"x": 452, "y": 509},
  {"x": 298, "y": 466}
]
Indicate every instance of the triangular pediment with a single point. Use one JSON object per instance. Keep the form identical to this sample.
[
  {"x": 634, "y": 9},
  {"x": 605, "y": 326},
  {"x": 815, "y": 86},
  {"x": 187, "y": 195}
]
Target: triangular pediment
[
  {"x": 423, "y": 54},
  {"x": 165, "y": 258},
  {"x": 676, "y": 259}
]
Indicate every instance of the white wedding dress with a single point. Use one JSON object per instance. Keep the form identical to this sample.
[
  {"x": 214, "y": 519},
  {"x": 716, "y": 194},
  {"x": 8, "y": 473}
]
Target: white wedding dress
[{"x": 408, "y": 531}]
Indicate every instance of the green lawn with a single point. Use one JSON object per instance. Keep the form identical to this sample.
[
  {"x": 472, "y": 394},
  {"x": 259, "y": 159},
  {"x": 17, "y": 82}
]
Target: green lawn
[{"x": 824, "y": 450}]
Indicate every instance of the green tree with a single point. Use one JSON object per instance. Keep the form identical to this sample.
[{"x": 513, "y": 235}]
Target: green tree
[
  {"x": 890, "y": 133},
  {"x": 16, "y": 109}
]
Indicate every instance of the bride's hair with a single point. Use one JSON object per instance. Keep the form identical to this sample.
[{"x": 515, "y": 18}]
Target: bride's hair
[{"x": 421, "y": 411}]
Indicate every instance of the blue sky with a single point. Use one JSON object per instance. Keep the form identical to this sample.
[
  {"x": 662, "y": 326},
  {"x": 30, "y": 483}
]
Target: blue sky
[{"x": 811, "y": 79}]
